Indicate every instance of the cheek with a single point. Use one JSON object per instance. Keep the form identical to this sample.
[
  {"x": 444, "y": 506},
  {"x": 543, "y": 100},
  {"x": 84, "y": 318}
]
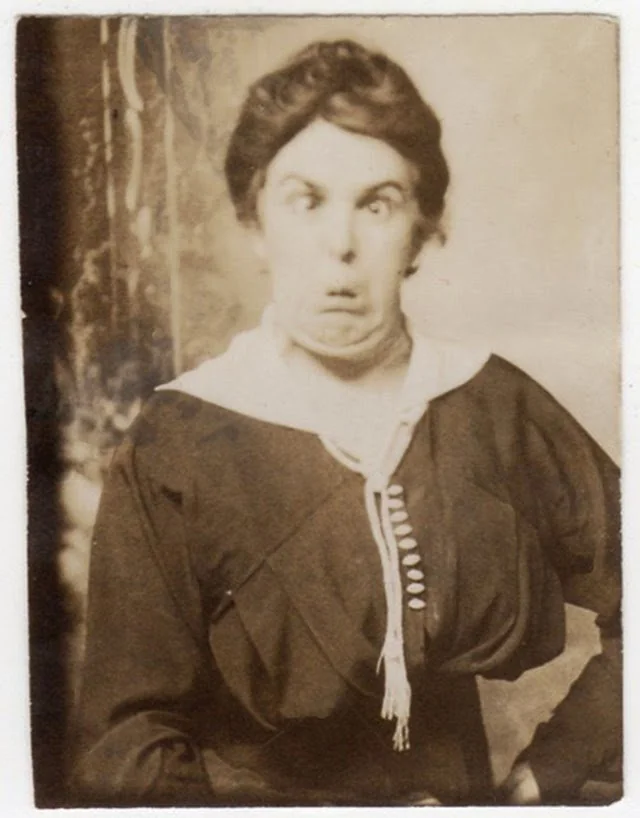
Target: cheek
[
  {"x": 389, "y": 248},
  {"x": 286, "y": 245},
  {"x": 284, "y": 260}
]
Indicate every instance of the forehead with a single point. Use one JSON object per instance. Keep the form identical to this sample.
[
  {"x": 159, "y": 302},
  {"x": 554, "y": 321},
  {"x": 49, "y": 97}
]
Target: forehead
[{"x": 333, "y": 158}]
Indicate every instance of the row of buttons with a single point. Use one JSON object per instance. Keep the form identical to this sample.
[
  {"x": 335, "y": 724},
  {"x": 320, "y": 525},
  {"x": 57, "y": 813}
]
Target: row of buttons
[{"x": 406, "y": 543}]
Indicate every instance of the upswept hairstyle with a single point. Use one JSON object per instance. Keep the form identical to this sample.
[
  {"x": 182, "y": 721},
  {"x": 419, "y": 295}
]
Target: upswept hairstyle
[{"x": 351, "y": 87}]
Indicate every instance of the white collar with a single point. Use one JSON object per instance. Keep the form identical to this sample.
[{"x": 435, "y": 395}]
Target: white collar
[{"x": 252, "y": 379}]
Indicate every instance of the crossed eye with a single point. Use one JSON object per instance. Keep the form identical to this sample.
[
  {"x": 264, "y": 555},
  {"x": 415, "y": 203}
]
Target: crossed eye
[
  {"x": 379, "y": 207},
  {"x": 306, "y": 202}
]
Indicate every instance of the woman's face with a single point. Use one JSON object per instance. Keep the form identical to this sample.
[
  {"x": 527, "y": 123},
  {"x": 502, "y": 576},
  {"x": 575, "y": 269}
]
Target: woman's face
[{"x": 337, "y": 229}]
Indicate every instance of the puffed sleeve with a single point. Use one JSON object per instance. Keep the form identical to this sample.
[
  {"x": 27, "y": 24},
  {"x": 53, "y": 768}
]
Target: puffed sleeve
[
  {"x": 145, "y": 671},
  {"x": 576, "y": 491},
  {"x": 149, "y": 686}
]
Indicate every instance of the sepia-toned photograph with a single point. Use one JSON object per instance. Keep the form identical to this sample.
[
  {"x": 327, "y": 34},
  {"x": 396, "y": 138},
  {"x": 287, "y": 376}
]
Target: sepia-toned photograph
[{"x": 322, "y": 385}]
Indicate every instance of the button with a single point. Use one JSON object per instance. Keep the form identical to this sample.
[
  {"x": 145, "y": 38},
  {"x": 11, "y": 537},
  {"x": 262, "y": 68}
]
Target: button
[
  {"x": 415, "y": 573},
  {"x": 403, "y": 530},
  {"x": 415, "y": 588},
  {"x": 395, "y": 502},
  {"x": 407, "y": 543},
  {"x": 417, "y": 604},
  {"x": 399, "y": 516},
  {"x": 411, "y": 559},
  {"x": 395, "y": 490}
]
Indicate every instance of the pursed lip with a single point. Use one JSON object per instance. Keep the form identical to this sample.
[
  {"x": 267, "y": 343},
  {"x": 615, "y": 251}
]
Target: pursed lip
[{"x": 342, "y": 306}]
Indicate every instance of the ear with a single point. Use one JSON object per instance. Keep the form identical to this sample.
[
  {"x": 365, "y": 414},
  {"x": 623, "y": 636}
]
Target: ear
[
  {"x": 256, "y": 240},
  {"x": 254, "y": 228},
  {"x": 418, "y": 240}
]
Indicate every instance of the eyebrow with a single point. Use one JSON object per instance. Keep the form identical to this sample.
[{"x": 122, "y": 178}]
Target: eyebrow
[
  {"x": 392, "y": 183},
  {"x": 293, "y": 177},
  {"x": 368, "y": 192}
]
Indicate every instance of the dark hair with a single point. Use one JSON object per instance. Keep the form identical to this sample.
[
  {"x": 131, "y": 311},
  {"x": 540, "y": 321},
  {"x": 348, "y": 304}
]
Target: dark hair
[{"x": 351, "y": 87}]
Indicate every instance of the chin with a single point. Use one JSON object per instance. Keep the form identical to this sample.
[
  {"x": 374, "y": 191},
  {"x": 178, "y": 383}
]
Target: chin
[{"x": 358, "y": 348}]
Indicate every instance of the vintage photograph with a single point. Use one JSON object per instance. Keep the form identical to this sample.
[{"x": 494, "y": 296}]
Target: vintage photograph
[{"x": 322, "y": 383}]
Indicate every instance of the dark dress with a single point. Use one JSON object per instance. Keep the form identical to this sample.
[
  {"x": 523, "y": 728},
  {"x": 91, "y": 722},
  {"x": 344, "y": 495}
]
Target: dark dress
[{"x": 236, "y": 606}]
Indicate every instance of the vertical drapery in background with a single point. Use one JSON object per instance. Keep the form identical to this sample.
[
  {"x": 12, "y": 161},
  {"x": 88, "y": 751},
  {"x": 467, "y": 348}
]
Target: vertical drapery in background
[
  {"x": 138, "y": 215},
  {"x": 119, "y": 286}
]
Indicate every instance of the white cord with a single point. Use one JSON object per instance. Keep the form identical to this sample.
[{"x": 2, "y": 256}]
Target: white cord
[{"x": 397, "y": 690}]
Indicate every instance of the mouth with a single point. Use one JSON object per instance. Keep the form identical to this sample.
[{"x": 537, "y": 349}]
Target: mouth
[{"x": 342, "y": 307}]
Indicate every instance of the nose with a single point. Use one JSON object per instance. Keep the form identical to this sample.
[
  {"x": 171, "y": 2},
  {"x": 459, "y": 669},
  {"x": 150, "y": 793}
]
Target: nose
[{"x": 340, "y": 234}]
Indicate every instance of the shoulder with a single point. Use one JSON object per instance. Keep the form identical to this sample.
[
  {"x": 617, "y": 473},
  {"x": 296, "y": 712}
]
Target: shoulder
[
  {"x": 508, "y": 384},
  {"x": 511, "y": 398},
  {"x": 500, "y": 382},
  {"x": 171, "y": 418},
  {"x": 511, "y": 403},
  {"x": 169, "y": 431}
]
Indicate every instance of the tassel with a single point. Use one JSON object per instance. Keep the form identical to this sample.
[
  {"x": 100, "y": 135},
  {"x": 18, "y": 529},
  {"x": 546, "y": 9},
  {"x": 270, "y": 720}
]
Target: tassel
[
  {"x": 397, "y": 691},
  {"x": 397, "y": 700}
]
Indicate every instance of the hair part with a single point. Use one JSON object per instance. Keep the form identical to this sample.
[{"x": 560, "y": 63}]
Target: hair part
[{"x": 353, "y": 88}]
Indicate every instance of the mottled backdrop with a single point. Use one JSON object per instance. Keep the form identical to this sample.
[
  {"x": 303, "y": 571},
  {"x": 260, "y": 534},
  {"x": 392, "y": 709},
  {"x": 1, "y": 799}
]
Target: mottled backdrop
[{"x": 134, "y": 268}]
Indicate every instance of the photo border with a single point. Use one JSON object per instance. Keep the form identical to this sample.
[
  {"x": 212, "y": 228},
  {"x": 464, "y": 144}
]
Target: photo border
[{"x": 15, "y": 762}]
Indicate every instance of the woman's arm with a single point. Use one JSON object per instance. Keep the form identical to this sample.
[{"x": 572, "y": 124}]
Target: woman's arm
[
  {"x": 149, "y": 684},
  {"x": 577, "y": 492},
  {"x": 146, "y": 674}
]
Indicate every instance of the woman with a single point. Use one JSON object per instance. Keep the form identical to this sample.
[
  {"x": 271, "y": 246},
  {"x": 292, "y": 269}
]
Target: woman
[{"x": 310, "y": 546}]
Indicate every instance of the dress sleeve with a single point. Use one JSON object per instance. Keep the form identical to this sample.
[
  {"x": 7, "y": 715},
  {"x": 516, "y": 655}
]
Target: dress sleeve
[
  {"x": 145, "y": 727},
  {"x": 145, "y": 670},
  {"x": 577, "y": 497}
]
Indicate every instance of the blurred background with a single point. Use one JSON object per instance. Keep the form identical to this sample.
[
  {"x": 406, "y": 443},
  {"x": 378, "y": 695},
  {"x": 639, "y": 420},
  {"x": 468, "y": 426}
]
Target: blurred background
[{"x": 134, "y": 269}]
